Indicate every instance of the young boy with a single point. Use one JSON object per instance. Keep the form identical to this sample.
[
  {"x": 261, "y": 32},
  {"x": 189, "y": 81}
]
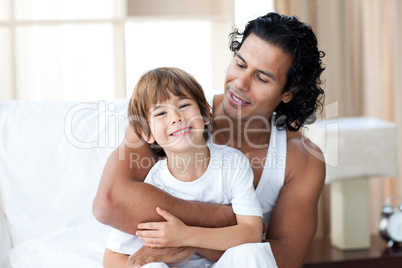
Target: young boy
[{"x": 168, "y": 109}]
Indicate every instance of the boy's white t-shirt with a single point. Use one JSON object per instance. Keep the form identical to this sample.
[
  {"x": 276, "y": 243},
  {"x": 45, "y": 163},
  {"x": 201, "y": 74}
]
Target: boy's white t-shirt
[
  {"x": 227, "y": 180},
  {"x": 273, "y": 175}
]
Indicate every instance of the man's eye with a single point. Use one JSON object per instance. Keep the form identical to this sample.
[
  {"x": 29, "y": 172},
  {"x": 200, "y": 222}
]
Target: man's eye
[
  {"x": 262, "y": 80},
  {"x": 240, "y": 65}
]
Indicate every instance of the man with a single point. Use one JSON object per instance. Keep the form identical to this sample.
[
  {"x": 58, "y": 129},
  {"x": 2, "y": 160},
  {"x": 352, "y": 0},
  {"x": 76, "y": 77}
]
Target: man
[{"x": 272, "y": 88}]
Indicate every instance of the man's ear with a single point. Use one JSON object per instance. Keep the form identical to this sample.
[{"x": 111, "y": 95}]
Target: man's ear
[{"x": 287, "y": 96}]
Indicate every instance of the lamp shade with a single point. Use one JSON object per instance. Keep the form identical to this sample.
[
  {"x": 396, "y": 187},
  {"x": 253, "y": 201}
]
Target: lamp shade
[{"x": 355, "y": 147}]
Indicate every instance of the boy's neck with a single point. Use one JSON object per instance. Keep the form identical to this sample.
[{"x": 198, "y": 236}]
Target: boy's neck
[{"x": 190, "y": 165}]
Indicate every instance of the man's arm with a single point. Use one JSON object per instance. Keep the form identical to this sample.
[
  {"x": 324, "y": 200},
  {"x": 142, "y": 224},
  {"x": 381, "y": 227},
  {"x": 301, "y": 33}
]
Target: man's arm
[
  {"x": 114, "y": 260},
  {"x": 174, "y": 233},
  {"x": 146, "y": 255},
  {"x": 294, "y": 220},
  {"x": 123, "y": 200}
]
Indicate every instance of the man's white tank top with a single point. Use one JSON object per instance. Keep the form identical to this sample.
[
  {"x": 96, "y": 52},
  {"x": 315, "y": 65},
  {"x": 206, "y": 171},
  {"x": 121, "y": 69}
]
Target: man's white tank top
[{"x": 273, "y": 175}]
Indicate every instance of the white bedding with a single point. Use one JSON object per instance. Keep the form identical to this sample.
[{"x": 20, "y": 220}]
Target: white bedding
[
  {"x": 78, "y": 246},
  {"x": 52, "y": 154}
]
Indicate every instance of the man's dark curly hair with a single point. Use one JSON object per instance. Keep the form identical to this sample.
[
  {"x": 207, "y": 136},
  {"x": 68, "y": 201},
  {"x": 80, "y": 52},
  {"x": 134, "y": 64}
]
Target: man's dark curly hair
[{"x": 303, "y": 76}]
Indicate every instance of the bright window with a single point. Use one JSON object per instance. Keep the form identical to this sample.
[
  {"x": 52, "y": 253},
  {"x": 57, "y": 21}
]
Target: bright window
[
  {"x": 183, "y": 44},
  {"x": 63, "y": 9},
  {"x": 97, "y": 49},
  {"x": 4, "y": 10},
  {"x": 5, "y": 63},
  {"x": 65, "y": 62}
]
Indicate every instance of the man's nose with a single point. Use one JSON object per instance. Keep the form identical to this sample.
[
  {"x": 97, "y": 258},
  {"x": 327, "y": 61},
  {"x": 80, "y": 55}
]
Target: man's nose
[{"x": 242, "y": 82}]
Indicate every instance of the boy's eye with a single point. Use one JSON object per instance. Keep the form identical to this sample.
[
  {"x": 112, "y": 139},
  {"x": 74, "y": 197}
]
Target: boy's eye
[
  {"x": 160, "y": 114},
  {"x": 184, "y": 105}
]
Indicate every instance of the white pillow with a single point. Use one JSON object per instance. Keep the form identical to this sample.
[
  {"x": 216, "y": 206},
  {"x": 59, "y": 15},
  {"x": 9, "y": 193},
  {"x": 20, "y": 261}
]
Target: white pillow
[{"x": 52, "y": 154}]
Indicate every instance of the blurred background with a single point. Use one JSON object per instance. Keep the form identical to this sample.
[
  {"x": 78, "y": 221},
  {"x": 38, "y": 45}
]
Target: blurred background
[{"x": 97, "y": 49}]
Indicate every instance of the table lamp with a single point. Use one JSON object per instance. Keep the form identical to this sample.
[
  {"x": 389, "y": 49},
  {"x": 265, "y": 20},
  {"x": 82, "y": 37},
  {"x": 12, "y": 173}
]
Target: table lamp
[{"x": 354, "y": 149}]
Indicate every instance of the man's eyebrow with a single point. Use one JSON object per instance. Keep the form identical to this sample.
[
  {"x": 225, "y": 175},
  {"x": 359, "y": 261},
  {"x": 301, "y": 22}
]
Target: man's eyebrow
[
  {"x": 269, "y": 74},
  {"x": 240, "y": 57}
]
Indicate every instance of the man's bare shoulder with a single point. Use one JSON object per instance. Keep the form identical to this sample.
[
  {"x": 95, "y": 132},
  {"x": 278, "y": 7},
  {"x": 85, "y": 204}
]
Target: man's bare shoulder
[
  {"x": 300, "y": 144},
  {"x": 304, "y": 159}
]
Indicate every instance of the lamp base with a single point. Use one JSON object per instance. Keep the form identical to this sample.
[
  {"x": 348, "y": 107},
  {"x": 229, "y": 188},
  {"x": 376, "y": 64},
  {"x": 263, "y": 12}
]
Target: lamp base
[{"x": 350, "y": 214}]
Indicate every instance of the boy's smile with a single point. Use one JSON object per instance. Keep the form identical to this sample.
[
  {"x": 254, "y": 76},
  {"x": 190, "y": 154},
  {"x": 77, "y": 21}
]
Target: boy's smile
[
  {"x": 177, "y": 124},
  {"x": 181, "y": 132}
]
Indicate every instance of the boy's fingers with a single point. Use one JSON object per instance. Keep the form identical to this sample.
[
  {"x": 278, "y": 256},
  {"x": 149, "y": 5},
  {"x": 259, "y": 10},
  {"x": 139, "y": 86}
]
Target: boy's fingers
[
  {"x": 151, "y": 245},
  {"x": 149, "y": 225},
  {"x": 166, "y": 215},
  {"x": 150, "y": 241},
  {"x": 149, "y": 234}
]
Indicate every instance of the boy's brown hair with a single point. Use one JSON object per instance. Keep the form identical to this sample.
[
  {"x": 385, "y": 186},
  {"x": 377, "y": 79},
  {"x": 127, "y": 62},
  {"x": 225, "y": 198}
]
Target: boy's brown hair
[{"x": 155, "y": 86}]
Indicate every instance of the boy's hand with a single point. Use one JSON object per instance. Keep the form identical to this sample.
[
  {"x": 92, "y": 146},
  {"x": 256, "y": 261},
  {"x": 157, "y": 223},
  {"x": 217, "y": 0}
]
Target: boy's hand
[{"x": 171, "y": 233}]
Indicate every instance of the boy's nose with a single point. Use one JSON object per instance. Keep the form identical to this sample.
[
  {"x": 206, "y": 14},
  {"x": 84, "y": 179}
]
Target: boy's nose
[{"x": 176, "y": 117}]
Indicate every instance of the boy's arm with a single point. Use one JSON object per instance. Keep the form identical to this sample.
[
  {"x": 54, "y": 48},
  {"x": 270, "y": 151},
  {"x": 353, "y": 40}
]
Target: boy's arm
[
  {"x": 248, "y": 230},
  {"x": 123, "y": 200},
  {"x": 174, "y": 233}
]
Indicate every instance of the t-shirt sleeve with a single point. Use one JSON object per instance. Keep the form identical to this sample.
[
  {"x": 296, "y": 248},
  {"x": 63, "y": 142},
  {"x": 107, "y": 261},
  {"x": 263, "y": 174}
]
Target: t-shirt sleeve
[
  {"x": 124, "y": 243},
  {"x": 244, "y": 197}
]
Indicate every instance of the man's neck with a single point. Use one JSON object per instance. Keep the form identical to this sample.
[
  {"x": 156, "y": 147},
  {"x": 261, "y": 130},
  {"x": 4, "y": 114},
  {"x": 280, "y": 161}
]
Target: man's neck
[
  {"x": 190, "y": 165},
  {"x": 238, "y": 133}
]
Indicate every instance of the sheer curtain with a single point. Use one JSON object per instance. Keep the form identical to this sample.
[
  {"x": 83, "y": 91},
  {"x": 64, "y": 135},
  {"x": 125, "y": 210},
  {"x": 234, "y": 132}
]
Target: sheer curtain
[
  {"x": 361, "y": 40},
  {"x": 97, "y": 49}
]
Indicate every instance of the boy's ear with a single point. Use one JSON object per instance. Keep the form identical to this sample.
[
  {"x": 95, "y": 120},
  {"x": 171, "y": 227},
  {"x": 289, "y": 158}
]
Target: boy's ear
[
  {"x": 288, "y": 96},
  {"x": 149, "y": 139},
  {"x": 207, "y": 119}
]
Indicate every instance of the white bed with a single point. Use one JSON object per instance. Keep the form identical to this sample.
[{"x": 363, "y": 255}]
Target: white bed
[{"x": 51, "y": 158}]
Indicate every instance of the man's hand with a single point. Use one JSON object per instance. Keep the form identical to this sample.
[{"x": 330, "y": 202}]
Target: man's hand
[
  {"x": 171, "y": 233},
  {"x": 167, "y": 255}
]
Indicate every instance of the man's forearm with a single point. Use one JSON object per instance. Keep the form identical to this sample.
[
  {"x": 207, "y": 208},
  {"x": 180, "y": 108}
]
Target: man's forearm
[
  {"x": 207, "y": 215},
  {"x": 114, "y": 260},
  {"x": 209, "y": 254},
  {"x": 127, "y": 204}
]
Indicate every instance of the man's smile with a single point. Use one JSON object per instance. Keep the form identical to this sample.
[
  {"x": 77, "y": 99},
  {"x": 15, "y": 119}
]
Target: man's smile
[{"x": 236, "y": 100}]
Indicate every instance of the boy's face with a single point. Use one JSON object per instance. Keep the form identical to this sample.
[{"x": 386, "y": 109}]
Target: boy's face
[
  {"x": 255, "y": 79},
  {"x": 177, "y": 124}
]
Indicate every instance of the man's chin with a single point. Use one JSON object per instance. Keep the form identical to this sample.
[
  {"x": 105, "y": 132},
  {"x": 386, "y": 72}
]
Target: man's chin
[{"x": 231, "y": 111}]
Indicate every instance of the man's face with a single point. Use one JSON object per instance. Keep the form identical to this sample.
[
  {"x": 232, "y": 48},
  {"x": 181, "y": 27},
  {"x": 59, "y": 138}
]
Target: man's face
[{"x": 255, "y": 79}]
